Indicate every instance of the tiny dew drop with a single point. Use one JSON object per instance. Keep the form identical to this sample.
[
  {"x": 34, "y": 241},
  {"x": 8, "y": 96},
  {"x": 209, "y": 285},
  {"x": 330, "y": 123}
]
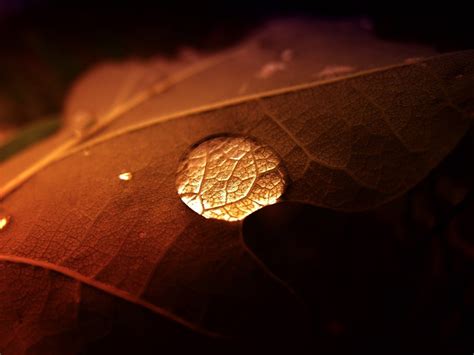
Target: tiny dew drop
[
  {"x": 125, "y": 176},
  {"x": 230, "y": 177},
  {"x": 4, "y": 221}
]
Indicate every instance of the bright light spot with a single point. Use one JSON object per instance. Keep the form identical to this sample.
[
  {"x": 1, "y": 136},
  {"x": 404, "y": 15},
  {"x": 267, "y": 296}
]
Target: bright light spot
[
  {"x": 125, "y": 176},
  {"x": 4, "y": 220}
]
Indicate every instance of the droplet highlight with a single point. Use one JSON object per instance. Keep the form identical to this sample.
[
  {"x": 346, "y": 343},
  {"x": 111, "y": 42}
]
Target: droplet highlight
[
  {"x": 229, "y": 178},
  {"x": 127, "y": 176},
  {"x": 4, "y": 221}
]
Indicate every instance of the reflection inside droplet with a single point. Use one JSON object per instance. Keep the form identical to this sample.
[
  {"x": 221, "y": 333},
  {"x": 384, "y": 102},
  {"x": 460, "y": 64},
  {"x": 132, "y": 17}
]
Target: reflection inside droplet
[
  {"x": 126, "y": 176},
  {"x": 4, "y": 221},
  {"x": 228, "y": 178}
]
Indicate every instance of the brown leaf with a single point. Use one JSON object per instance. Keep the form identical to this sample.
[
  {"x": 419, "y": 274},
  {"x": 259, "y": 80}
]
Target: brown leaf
[
  {"x": 350, "y": 143},
  {"x": 282, "y": 53}
]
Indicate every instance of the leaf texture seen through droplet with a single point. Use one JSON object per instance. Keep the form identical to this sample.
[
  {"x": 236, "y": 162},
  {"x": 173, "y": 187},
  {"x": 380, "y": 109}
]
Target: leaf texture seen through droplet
[
  {"x": 350, "y": 143},
  {"x": 229, "y": 178}
]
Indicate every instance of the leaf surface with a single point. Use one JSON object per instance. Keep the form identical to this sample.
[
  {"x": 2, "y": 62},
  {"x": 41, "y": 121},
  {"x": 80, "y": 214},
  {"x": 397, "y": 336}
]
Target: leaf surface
[{"x": 282, "y": 53}]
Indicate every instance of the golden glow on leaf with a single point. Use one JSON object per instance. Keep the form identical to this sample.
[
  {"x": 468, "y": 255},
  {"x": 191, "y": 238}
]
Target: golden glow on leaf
[
  {"x": 125, "y": 176},
  {"x": 228, "y": 178},
  {"x": 4, "y": 220}
]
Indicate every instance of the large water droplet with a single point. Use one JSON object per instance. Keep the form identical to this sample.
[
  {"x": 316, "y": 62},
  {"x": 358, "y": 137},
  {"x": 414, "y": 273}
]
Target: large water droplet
[{"x": 228, "y": 178}]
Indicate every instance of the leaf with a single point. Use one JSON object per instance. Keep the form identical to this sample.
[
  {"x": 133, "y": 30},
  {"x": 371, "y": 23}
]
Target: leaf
[
  {"x": 347, "y": 143},
  {"x": 114, "y": 95},
  {"x": 302, "y": 50}
]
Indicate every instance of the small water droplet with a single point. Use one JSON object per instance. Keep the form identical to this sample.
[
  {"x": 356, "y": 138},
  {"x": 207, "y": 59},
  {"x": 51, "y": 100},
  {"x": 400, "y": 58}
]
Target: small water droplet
[
  {"x": 86, "y": 152},
  {"x": 4, "y": 221},
  {"x": 125, "y": 176},
  {"x": 142, "y": 235}
]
